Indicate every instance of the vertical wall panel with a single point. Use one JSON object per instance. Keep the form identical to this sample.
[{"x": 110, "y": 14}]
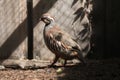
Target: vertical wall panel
[{"x": 12, "y": 29}]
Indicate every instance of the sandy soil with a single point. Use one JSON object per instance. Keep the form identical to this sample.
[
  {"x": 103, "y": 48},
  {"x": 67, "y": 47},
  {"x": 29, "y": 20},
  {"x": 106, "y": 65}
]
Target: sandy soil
[{"x": 95, "y": 70}]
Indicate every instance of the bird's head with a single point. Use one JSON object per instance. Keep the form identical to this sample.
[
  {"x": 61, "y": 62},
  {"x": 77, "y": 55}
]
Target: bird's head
[{"x": 47, "y": 18}]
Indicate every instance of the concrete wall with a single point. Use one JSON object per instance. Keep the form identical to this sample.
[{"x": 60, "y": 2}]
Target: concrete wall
[{"x": 13, "y": 29}]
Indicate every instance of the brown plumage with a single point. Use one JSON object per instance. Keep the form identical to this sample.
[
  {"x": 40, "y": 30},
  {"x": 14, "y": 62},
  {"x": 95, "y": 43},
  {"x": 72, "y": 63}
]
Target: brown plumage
[{"x": 60, "y": 42}]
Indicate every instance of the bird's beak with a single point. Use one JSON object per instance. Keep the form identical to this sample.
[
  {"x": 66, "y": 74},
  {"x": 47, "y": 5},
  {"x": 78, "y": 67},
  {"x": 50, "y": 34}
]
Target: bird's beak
[{"x": 41, "y": 19}]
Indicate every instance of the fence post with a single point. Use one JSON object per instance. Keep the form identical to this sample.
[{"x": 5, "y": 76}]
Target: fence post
[{"x": 30, "y": 28}]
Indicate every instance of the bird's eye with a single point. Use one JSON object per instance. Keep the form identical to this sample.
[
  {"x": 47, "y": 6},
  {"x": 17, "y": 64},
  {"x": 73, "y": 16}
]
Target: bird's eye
[{"x": 46, "y": 21}]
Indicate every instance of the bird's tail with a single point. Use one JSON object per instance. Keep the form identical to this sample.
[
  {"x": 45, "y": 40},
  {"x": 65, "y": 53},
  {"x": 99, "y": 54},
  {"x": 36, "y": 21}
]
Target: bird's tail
[{"x": 80, "y": 57}]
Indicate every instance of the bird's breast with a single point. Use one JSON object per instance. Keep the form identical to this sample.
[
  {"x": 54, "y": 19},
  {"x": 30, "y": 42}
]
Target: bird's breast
[{"x": 51, "y": 43}]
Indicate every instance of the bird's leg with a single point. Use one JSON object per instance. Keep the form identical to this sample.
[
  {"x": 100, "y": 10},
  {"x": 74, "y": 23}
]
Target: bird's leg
[
  {"x": 65, "y": 63},
  {"x": 54, "y": 61}
]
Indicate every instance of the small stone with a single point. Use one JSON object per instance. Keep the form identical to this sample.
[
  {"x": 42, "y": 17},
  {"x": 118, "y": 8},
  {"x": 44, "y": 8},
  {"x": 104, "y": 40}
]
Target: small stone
[
  {"x": 2, "y": 67},
  {"x": 59, "y": 70}
]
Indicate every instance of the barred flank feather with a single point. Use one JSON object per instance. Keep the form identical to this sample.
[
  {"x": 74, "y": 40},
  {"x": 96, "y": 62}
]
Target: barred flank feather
[{"x": 52, "y": 44}]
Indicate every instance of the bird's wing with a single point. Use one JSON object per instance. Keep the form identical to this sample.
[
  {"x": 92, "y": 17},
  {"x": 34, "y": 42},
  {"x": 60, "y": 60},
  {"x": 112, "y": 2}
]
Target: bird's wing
[{"x": 65, "y": 40}]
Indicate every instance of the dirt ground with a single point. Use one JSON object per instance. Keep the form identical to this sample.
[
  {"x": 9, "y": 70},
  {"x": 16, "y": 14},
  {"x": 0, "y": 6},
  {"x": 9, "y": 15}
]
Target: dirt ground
[{"x": 95, "y": 70}]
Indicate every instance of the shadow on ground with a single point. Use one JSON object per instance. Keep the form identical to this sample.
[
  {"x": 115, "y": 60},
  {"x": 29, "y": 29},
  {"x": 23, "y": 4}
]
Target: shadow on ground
[{"x": 95, "y": 70}]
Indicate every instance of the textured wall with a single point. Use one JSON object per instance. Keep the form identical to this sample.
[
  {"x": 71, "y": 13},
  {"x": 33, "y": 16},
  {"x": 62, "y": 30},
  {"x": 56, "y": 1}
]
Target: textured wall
[{"x": 12, "y": 29}]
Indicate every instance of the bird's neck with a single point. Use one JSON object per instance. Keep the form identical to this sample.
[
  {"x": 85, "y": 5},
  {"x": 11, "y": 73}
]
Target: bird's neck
[
  {"x": 49, "y": 26},
  {"x": 46, "y": 29}
]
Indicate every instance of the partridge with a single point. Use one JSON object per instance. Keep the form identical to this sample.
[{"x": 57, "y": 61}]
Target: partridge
[{"x": 60, "y": 42}]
